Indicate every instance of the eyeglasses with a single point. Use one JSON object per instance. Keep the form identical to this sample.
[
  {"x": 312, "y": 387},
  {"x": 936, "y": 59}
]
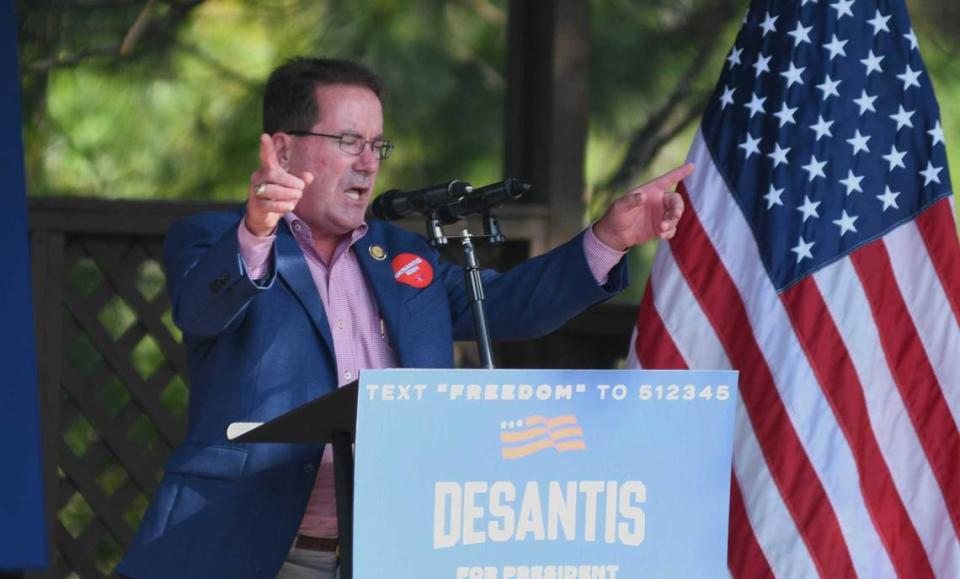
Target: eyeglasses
[{"x": 353, "y": 144}]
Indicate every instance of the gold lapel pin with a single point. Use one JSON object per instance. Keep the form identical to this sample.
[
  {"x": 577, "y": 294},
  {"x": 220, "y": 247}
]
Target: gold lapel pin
[{"x": 377, "y": 253}]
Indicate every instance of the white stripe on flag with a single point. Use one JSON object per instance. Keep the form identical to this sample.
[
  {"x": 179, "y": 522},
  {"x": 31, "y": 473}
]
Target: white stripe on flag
[
  {"x": 809, "y": 411},
  {"x": 772, "y": 524},
  {"x": 699, "y": 345},
  {"x": 632, "y": 361},
  {"x": 672, "y": 295},
  {"x": 683, "y": 318},
  {"x": 929, "y": 308},
  {"x": 889, "y": 418}
]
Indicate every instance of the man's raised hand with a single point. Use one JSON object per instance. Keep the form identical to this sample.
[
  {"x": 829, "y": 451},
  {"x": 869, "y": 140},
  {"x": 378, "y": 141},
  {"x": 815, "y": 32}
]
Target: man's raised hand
[
  {"x": 273, "y": 192},
  {"x": 651, "y": 210}
]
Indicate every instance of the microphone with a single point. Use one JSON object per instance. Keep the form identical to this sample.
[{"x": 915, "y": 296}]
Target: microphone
[
  {"x": 395, "y": 204},
  {"x": 481, "y": 200}
]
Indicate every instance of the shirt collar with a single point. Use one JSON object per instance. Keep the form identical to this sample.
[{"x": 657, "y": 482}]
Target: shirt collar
[{"x": 303, "y": 235}]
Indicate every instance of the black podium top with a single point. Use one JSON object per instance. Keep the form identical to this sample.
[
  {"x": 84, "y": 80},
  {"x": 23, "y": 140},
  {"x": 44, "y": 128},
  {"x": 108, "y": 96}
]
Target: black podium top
[{"x": 315, "y": 421}]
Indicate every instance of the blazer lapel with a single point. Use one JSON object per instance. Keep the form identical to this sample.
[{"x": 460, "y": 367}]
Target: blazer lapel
[
  {"x": 292, "y": 268},
  {"x": 379, "y": 276}
]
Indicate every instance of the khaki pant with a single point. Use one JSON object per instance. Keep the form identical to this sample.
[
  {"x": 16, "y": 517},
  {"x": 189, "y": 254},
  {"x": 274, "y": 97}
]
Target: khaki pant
[{"x": 309, "y": 564}]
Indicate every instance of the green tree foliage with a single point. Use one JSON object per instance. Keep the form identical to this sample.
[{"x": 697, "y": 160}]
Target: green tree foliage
[
  {"x": 179, "y": 116},
  {"x": 161, "y": 98},
  {"x": 649, "y": 81}
]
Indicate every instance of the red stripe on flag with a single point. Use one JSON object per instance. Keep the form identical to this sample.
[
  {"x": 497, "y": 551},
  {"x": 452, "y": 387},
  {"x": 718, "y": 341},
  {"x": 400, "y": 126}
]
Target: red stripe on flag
[
  {"x": 744, "y": 555},
  {"x": 655, "y": 347},
  {"x": 831, "y": 363},
  {"x": 912, "y": 372},
  {"x": 939, "y": 233},
  {"x": 796, "y": 478}
]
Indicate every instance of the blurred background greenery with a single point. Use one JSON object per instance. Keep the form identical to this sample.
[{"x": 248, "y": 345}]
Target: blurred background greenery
[
  {"x": 175, "y": 112},
  {"x": 160, "y": 99}
]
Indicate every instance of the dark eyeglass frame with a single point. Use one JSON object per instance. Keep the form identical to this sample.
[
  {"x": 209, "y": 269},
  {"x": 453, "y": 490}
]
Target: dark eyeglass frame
[{"x": 382, "y": 147}]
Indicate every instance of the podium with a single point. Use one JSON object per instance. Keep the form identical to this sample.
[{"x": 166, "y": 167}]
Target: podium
[
  {"x": 513, "y": 474},
  {"x": 332, "y": 418}
]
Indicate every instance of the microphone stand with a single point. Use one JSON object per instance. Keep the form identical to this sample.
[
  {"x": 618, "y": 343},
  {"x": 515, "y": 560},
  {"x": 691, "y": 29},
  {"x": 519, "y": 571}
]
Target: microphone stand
[{"x": 471, "y": 274}]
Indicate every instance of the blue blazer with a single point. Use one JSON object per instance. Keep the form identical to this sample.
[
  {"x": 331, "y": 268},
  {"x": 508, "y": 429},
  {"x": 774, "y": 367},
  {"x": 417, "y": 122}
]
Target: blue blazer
[{"x": 256, "y": 351}]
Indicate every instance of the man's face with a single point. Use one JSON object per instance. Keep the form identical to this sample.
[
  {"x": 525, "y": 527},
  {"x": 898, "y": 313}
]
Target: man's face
[{"x": 334, "y": 204}]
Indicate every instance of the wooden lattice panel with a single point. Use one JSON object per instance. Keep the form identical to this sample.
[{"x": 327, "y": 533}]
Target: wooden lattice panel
[{"x": 123, "y": 398}]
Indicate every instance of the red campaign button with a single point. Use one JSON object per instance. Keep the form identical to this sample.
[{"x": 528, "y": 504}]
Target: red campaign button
[{"x": 412, "y": 270}]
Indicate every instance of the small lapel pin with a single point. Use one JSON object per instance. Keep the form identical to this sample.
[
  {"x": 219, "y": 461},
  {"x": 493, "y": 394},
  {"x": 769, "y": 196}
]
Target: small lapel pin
[{"x": 377, "y": 253}]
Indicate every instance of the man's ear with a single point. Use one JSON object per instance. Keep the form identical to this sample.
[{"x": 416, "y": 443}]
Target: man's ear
[{"x": 282, "y": 143}]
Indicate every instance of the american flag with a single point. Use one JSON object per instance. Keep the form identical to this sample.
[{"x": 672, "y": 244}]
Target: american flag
[{"x": 819, "y": 256}]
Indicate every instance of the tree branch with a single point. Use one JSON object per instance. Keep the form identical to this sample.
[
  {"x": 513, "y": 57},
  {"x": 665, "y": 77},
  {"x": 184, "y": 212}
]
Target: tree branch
[
  {"x": 663, "y": 124},
  {"x": 179, "y": 10},
  {"x": 88, "y": 4},
  {"x": 228, "y": 73},
  {"x": 661, "y": 139},
  {"x": 139, "y": 25},
  {"x": 643, "y": 144},
  {"x": 45, "y": 65}
]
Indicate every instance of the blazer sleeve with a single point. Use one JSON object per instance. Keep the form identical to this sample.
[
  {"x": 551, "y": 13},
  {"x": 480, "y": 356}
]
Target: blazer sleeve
[
  {"x": 206, "y": 278},
  {"x": 535, "y": 297}
]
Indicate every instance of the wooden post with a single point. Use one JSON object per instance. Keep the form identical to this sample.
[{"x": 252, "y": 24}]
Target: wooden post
[
  {"x": 548, "y": 85},
  {"x": 46, "y": 250}
]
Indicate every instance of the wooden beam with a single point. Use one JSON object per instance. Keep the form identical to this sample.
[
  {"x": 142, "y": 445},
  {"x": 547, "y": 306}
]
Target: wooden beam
[{"x": 548, "y": 85}]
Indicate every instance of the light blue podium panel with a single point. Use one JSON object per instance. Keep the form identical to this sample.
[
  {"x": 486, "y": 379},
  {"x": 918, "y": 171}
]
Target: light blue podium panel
[{"x": 543, "y": 474}]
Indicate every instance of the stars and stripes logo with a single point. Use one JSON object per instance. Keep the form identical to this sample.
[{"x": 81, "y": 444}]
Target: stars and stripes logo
[
  {"x": 533, "y": 434},
  {"x": 819, "y": 256}
]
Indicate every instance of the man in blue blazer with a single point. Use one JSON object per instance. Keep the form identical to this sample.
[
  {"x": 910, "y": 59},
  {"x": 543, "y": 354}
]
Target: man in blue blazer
[{"x": 259, "y": 295}]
